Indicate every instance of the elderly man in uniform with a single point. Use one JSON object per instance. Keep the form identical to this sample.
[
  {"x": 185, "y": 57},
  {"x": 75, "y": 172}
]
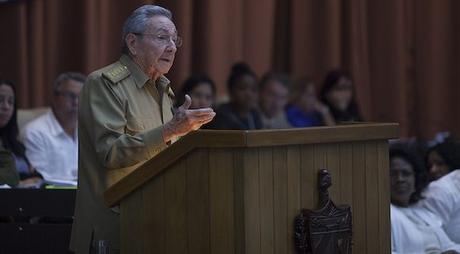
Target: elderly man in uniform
[{"x": 125, "y": 119}]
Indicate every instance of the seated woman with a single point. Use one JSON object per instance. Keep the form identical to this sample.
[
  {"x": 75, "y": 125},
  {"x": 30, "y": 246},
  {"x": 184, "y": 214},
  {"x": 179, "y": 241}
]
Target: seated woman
[
  {"x": 9, "y": 135},
  {"x": 442, "y": 158},
  {"x": 305, "y": 110},
  {"x": 338, "y": 94},
  {"x": 273, "y": 97},
  {"x": 240, "y": 113},
  {"x": 201, "y": 90},
  {"x": 414, "y": 229}
]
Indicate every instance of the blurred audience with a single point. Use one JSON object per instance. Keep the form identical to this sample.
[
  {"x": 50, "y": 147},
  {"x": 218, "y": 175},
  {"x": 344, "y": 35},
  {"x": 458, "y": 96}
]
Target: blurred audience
[
  {"x": 414, "y": 229},
  {"x": 9, "y": 137},
  {"x": 304, "y": 109},
  {"x": 338, "y": 94},
  {"x": 201, "y": 89},
  {"x": 51, "y": 139},
  {"x": 240, "y": 112},
  {"x": 442, "y": 158},
  {"x": 273, "y": 98},
  {"x": 424, "y": 218}
]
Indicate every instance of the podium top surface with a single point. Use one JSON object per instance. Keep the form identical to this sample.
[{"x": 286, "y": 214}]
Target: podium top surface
[{"x": 241, "y": 139}]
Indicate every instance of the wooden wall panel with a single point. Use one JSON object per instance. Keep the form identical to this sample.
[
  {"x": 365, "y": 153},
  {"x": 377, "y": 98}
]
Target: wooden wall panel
[
  {"x": 372, "y": 198},
  {"x": 154, "y": 216},
  {"x": 131, "y": 227},
  {"x": 222, "y": 231},
  {"x": 384, "y": 197},
  {"x": 308, "y": 177},
  {"x": 293, "y": 191},
  {"x": 176, "y": 204},
  {"x": 252, "y": 201},
  {"x": 333, "y": 165},
  {"x": 198, "y": 213},
  {"x": 266, "y": 196},
  {"x": 359, "y": 199},
  {"x": 239, "y": 194},
  {"x": 280, "y": 201},
  {"x": 346, "y": 173}
]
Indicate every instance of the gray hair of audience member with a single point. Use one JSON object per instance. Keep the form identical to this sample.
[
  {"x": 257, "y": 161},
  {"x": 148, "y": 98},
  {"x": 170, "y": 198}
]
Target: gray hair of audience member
[
  {"x": 63, "y": 77},
  {"x": 138, "y": 21},
  {"x": 274, "y": 76}
]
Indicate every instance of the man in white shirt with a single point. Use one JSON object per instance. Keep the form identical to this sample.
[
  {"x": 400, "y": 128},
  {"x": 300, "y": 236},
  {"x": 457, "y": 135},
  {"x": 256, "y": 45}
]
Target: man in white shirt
[
  {"x": 51, "y": 139},
  {"x": 442, "y": 197}
]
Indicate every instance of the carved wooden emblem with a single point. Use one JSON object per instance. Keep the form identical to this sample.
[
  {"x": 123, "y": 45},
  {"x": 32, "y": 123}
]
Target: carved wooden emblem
[{"x": 326, "y": 230}]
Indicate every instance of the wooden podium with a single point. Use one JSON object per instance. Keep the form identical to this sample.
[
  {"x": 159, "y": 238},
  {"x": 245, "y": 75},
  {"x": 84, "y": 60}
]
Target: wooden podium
[{"x": 239, "y": 191}]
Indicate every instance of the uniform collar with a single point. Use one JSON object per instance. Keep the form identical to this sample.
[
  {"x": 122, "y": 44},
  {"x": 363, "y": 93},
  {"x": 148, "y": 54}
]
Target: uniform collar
[
  {"x": 140, "y": 78},
  {"x": 162, "y": 83}
]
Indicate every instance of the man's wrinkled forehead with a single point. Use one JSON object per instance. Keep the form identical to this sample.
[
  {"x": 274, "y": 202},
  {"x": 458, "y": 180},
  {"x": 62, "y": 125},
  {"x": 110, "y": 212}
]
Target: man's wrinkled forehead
[{"x": 161, "y": 24}]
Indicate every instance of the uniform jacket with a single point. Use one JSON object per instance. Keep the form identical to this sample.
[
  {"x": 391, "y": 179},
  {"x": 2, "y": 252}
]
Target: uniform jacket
[{"x": 121, "y": 116}]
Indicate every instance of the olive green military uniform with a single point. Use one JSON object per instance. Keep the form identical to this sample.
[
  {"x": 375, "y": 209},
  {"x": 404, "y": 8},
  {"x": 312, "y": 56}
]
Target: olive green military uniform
[{"x": 121, "y": 118}]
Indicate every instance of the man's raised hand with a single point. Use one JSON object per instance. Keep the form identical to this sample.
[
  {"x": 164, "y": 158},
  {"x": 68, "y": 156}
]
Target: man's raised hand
[{"x": 186, "y": 120}]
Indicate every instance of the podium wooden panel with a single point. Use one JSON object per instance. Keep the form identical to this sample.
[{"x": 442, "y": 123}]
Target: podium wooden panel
[{"x": 239, "y": 191}]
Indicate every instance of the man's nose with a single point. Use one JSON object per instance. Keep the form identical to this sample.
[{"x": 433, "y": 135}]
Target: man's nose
[{"x": 171, "y": 46}]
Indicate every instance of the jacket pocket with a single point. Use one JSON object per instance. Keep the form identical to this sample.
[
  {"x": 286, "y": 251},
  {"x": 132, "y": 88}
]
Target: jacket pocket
[{"x": 134, "y": 126}]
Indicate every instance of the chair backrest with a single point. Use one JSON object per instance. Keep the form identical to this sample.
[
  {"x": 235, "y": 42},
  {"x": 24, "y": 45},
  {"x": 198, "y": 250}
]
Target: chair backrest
[{"x": 27, "y": 115}]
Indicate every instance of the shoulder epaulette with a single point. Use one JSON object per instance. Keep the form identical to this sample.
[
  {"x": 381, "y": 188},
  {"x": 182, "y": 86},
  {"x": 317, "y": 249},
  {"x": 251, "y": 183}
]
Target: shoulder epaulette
[
  {"x": 171, "y": 93},
  {"x": 116, "y": 73}
]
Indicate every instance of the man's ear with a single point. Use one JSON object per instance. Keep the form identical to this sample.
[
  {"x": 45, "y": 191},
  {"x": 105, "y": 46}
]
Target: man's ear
[{"x": 131, "y": 41}]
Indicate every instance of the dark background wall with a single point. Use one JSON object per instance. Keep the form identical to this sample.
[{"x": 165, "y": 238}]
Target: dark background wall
[{"x": 404, "y": 54}]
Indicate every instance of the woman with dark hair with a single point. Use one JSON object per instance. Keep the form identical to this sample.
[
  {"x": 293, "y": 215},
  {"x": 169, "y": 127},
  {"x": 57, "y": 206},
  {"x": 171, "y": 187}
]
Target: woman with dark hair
[
  {"x": 240, "y": 113},
  {"x": 442, "y": 196},
  {"x": 338, "y": 94},
  {"x": 201, "y": 89},
  {"x": 442, "y": 158},
  {"x": 9, "y": 132},
  {"x": 404, "y": 162},
  {"x": 414, "y": 229}
]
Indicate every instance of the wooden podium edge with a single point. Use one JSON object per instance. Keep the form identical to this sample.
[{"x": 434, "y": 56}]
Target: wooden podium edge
[{"x": 231, "y": 138}]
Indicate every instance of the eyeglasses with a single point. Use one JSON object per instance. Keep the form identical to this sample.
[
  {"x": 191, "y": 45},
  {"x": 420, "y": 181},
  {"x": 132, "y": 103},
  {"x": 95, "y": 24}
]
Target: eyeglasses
[
  {"x": 164, "y": 39},
  {"x": 67, "y": 95}
]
